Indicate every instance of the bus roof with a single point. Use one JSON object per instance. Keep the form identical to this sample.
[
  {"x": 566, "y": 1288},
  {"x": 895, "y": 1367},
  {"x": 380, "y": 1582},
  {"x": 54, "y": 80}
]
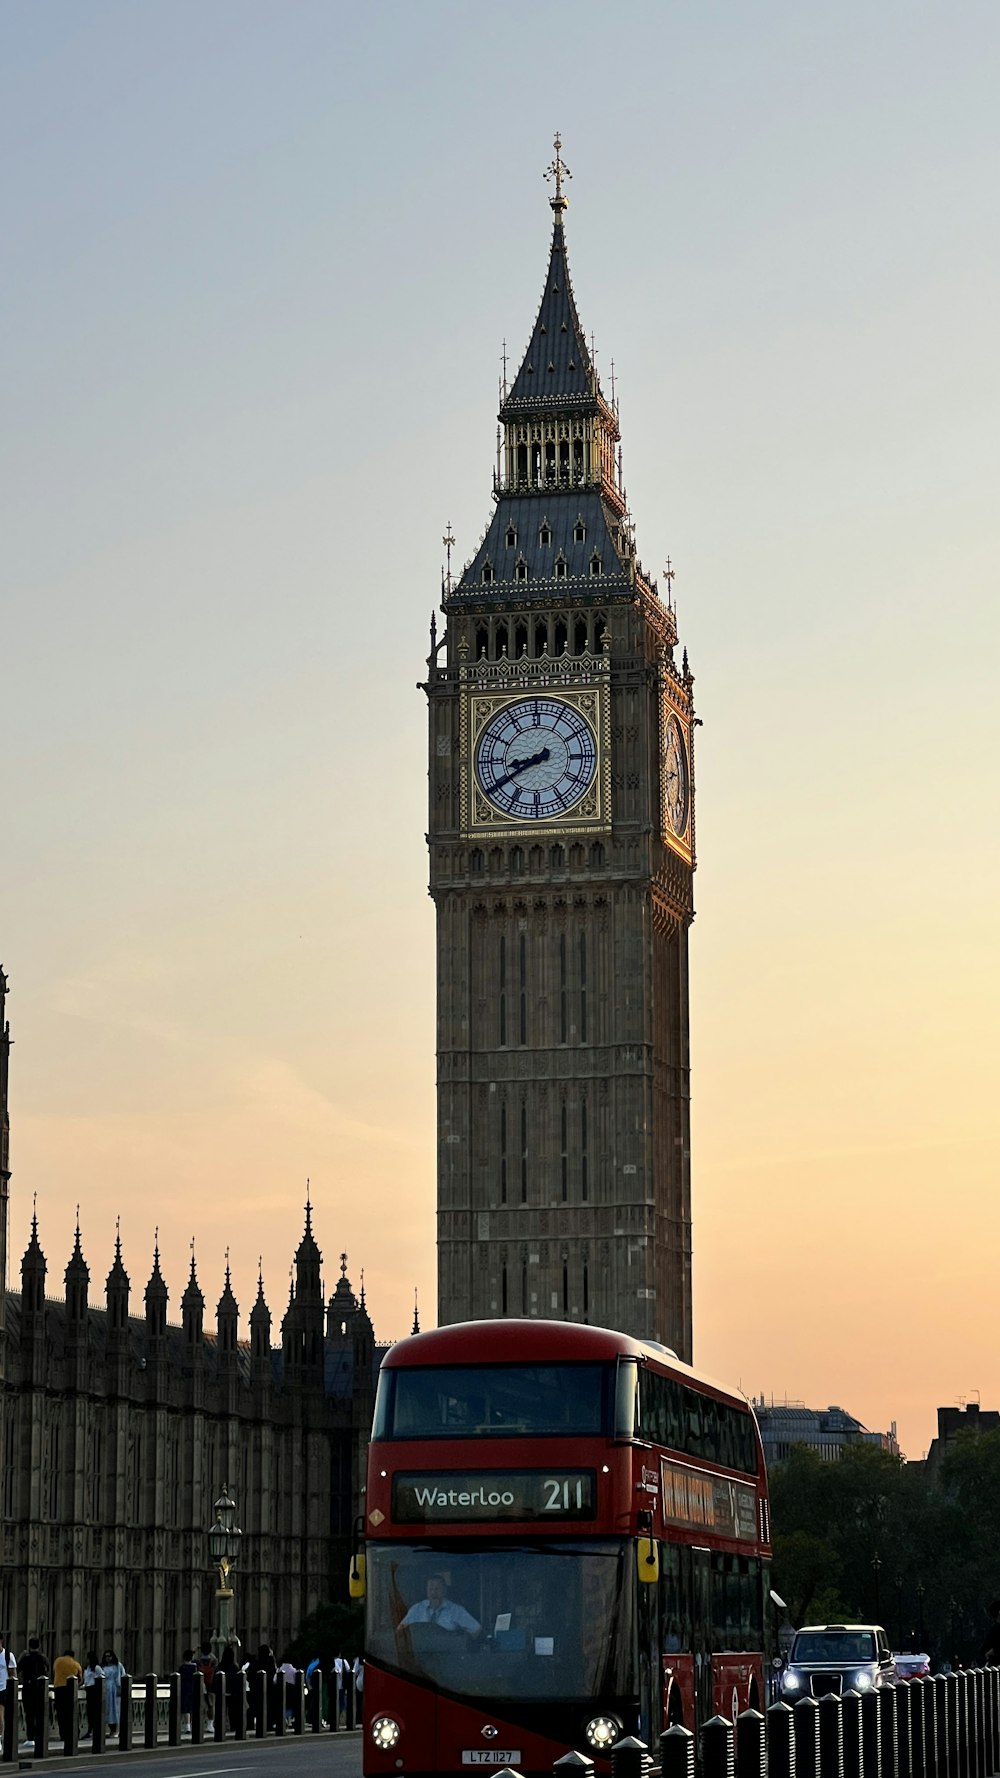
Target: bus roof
[{"x": 516, "y": 1340}]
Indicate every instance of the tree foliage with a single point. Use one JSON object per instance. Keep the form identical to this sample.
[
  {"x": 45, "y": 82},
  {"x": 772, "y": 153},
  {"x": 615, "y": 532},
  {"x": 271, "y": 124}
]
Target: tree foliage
[{"x": 872, "y": 1538}]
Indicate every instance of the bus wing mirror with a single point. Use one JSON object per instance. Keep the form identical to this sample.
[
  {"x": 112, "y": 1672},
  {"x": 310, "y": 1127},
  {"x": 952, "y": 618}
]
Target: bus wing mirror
[
  {"x": 648, "y": 1560},
  {"x": 356, "y": 1576}
]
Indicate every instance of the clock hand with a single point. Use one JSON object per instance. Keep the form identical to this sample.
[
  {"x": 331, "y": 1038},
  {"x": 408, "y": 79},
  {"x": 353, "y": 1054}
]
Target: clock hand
[{"x": 521, "y": 765}]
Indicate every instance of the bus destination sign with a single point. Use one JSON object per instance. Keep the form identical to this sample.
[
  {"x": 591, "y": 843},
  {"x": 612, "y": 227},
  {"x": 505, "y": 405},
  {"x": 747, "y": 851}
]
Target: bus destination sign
[{"x": 456, "y": 1497}]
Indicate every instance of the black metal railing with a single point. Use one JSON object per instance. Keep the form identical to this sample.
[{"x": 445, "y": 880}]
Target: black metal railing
[{"x": 72, "y": 1718}]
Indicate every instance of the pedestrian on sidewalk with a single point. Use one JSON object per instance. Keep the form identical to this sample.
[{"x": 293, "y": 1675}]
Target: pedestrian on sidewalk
[
  {"x": 92, "y": 1672},
  {"x": 33, "y": 1667},
  {"x": 66, "y": 1667},
  {"x": 114, "y": 1673}
]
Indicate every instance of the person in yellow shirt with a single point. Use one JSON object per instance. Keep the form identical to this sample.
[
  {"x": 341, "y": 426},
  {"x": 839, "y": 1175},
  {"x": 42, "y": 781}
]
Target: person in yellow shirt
[{"x": 65, "y": 1668}]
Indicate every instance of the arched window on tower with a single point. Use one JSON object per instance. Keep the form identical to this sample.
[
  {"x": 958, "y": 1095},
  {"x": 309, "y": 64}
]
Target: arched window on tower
[
  {"x": 521, "y": 640},
  {"x": 578, "y": 459},
  {"x": 541, "y": 638},
  {"x": 584, "y": 1152},
  {"x": 521, "y": 570},
  {"x": 580, "y": 636},
  {"x": 500, "y": 640},
  {"x": 600, "y": 631},
  {"x": 564, "y": 460},
  {"x": 560, "y": 567},
  {"x": 536, "y": 464},
  {"x": 482, "y": 642},
  {"x": 522, "y": 465},
  {"x": 503, "y": 1152}
]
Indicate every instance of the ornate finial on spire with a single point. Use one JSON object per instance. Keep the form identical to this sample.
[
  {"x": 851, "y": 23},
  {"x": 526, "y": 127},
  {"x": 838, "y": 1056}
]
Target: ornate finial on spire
[
  {"x": 309, "y": 1209},
  {"x": 362, "y": 1287},
  {"x": 503, "y": 360},
  {"x": 558, "y": 171},
  {"x": 343, "y": 1265},
  {"x": 228, "y": 1279},
  {"x": 449, "y": 543},
  {"x": 34, "y": 1216},
  {"x": 613, "y": 384},
  {"x": 434, "y": 634},
  {"x": 668, "y": 575},
  {"x": 118, "y": 1237},
  {"x": 416, "y": 1314}
]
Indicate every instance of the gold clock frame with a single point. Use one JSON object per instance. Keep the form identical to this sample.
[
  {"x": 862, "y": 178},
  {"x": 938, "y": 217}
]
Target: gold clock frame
[
  {"x": 592, "y": 814},
  {"x": 681, "y": 843}
]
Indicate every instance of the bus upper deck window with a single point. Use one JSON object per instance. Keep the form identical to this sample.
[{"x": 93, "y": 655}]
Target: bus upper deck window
[{"x": 626, "y": 1399}]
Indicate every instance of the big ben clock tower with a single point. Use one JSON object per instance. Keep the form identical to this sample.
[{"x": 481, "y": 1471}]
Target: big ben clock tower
[{"x": 561, "y": 836}]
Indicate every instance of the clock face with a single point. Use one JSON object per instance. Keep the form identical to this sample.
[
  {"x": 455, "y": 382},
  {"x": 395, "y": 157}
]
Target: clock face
[
  {"x": 676, "y": 785},
  {"x": 536, "y": 758}
]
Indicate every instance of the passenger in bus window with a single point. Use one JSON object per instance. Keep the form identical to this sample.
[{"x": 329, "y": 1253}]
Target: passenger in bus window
[{"x": 437, "y": 1608}]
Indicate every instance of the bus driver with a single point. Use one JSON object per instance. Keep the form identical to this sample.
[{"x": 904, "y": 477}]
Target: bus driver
[{"x": 436, "y": 1608}]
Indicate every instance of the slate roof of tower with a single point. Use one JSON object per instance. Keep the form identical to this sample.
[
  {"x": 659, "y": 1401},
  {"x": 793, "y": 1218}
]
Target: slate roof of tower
[
  {"x": 527, "y": 515},
  {"x": 557, "y": 366}
]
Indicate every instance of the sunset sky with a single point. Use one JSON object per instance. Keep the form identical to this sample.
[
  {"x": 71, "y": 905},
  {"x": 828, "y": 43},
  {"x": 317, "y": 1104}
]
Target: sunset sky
[{"x": 259, "y": 263}]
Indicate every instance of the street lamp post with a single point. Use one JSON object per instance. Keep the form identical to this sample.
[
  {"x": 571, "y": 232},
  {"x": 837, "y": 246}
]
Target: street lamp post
[
  {"x": 223, "y": 1547},
  {"x": 876, "y": 1565}
]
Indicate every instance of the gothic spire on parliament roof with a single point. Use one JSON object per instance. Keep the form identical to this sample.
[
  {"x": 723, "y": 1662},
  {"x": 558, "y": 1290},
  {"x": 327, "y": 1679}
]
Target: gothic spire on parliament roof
[
  {"x": 77, "y": 1268},
  {"x": 260, "y": 1314},
  {"x": 34, "y": 1263},
  {"x": 156, "y": 1289},
  {"x": 227, "y": 1304},
  {"x": 193, "y": 1297}
]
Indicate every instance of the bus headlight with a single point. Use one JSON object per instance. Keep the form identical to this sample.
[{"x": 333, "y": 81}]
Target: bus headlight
[
  {"x": 602, "y": 1732},
  {"x": 385, "y": 1732}
]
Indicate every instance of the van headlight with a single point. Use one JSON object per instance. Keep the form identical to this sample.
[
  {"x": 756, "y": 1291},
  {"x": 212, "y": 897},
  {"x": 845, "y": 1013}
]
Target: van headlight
[
  {"x": 791, "y": 1682},
  {"x": 602, "y": 1732},
  {"x": 862, "y": 1682},
  {"x": 385, "y": 1732}
]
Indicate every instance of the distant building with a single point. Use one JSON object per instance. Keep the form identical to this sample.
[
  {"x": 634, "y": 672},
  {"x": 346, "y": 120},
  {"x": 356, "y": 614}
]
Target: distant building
[
  {"x": 967, "y": 1417},
  {"x": 827, "y": 1431}
]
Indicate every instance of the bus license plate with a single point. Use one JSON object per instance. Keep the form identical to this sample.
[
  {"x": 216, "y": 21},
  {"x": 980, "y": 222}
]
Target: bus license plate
[{"x": 491, "y": 1756}]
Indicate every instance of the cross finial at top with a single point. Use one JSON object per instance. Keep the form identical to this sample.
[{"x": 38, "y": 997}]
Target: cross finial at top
[
  {"x": 343, "y": 1265},
  {"x": 558, "y": 171}
]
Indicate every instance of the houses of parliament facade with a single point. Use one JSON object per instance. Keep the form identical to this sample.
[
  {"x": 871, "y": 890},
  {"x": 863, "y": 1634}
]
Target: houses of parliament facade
[{"x": 121, "y": 1428}]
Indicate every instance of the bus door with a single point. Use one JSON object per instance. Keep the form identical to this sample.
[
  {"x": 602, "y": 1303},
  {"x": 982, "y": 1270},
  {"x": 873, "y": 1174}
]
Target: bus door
[{"x": 701, "y": 1615}]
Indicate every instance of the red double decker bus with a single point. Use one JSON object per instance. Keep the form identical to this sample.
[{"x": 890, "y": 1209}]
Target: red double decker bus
[{"x": 566, "y": 1540}]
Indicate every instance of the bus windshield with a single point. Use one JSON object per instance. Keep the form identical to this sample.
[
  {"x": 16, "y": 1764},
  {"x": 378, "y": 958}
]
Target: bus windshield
[
  {"x": 549, "y": 1621},
  {"x": 507, "y": 1400}
]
